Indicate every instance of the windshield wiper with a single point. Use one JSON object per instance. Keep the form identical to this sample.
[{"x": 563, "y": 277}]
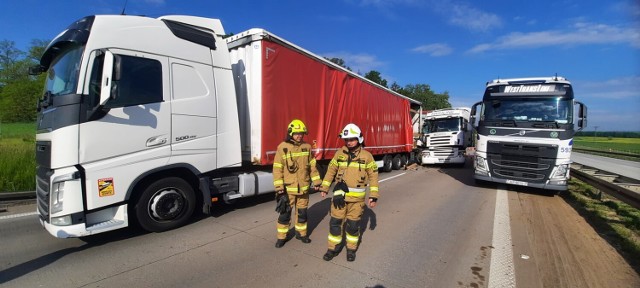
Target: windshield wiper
[
  {"x": 544, "y": 124},
  {"x": 508, "y": 123}
]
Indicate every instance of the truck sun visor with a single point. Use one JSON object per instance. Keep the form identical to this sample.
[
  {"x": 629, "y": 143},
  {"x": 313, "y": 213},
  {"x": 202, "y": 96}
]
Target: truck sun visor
[{"x": 191, "y": 34}]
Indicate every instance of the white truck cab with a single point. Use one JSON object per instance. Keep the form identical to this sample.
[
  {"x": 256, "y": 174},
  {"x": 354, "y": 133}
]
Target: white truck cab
[{"x": 525, "y": 129}]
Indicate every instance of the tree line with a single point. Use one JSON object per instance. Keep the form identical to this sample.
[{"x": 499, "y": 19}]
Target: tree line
[{"x": 19, "y": 91}]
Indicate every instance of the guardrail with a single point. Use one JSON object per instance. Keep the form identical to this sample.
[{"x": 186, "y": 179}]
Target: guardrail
[
  {"x": 624, "y": 189},
  {"x": 606, "y": 152},
  {"x": 23, "y": 195}
]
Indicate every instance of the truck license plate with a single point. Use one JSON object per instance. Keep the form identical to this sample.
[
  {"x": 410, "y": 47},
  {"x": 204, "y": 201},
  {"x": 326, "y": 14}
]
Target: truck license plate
[{"x": 521, "y": 183}]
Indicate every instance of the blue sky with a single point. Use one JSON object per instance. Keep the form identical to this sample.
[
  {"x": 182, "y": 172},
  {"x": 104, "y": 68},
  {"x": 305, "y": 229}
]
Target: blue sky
[{"x": 454, "y": 46}]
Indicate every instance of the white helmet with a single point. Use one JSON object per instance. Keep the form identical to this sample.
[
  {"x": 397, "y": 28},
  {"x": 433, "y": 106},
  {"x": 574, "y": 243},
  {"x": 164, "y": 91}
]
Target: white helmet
[{"x": 352, "y": 131}]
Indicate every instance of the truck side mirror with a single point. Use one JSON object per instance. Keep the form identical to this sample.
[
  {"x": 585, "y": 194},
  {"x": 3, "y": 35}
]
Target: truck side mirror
[
  {"x": 107, "y": 79},
  {"x": 37, "y": 70},
  {"x": 582, "y": 115},
  {"x": 111, "y": 73},
  {"x": 472, "y": 117},
  {"x": 117, "y": 73}
]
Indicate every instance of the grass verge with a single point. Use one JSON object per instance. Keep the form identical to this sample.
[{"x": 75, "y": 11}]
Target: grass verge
[
  {"x": 614, "y": 220},
  {"x": 17, "y": 157}
]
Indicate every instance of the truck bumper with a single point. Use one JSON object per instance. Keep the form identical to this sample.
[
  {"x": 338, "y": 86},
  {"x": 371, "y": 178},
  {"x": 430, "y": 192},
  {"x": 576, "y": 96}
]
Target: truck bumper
[
  {"x": 108, "y": 219},
  {"x": 549, "y": 186},
  {"x": 77, "y": 230},
  {"x": 434, "y": 160}
]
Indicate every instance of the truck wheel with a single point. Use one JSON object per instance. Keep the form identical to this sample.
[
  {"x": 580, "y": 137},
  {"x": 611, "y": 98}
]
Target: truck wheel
[
  {"x": 396, "y": 163},
  {"x": 386, "y": 163},
  {"x": 165, "y": 204},
  {"x": 403, "y": 160}
]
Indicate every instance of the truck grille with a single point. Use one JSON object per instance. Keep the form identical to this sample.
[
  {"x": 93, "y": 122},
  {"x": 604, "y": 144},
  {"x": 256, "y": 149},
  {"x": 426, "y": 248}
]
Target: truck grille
[
  {"x": 444, "y": 152},
  {"x": 43, "y": 177},
  {"x": 530, "y": 162},
  {"x": 439, "y": 140}
]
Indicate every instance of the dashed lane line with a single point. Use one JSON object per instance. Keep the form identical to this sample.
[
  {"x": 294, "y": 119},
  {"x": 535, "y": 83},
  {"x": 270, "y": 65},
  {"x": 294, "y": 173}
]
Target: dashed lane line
[{"x": 501, "y": 271}]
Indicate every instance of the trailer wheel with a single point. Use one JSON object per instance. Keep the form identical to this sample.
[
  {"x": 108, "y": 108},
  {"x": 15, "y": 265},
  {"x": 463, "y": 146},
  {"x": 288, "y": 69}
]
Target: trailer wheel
[
  {"x": 165, "y": 204},
  {"x": 396, "y": 163},
  {"x": 386, "y": 163}
]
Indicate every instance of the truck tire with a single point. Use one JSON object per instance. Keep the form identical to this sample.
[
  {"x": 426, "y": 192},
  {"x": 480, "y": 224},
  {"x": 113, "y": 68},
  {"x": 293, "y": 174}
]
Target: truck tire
[
  {"x": 165, "y": 204},
  {"x": 396, "y": 163},
  {"x": 386, "y": 163},
  {"x": 403, "y": 160}
]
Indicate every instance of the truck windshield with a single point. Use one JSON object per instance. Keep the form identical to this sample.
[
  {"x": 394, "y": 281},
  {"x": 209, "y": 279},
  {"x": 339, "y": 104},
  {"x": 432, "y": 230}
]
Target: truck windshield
[
  {"x": 442, "y": 125},
  {"x": 554, "y": 109},
  {"x": 62, "y": 76}
]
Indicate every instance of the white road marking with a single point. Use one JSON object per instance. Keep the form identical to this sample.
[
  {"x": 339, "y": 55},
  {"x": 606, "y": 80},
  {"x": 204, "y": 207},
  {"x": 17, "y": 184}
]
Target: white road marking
[
  {"x": 392, "y": 177},
  {"x": 18, "y": 215},
  {"x": 501, "y": 272}
]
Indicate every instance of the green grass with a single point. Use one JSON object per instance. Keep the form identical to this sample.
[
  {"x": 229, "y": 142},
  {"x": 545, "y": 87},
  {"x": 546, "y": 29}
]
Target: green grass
[
  {"x": 616, "y": 221},
  {"x": 17, "y": 157},
  {"x": 608, "y": 144}
]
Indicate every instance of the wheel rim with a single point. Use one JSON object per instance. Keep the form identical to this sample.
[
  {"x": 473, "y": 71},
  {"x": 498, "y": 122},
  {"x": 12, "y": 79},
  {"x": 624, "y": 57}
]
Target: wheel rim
[{"x": 166, "y": 204}]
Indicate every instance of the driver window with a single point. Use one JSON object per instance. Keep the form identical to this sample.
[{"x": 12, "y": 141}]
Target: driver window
[{"x": 140, "y": 82}]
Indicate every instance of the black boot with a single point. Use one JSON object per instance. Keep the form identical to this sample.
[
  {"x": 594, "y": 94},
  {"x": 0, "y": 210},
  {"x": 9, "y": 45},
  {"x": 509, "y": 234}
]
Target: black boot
[
  {"x": 351, "y": 255},
  {"x": 329, "y": 255},
  {"x": 280, "y": 243},
  {"x": 304, "y": 239}
]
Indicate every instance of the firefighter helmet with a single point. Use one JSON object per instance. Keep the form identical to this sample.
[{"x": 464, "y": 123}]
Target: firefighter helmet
[
  {"x": 296, "y": 126},
  {"x": 352, "y": 131}
]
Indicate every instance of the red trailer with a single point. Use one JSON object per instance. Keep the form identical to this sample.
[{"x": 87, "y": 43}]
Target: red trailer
[{"x": 277, "y": 81}]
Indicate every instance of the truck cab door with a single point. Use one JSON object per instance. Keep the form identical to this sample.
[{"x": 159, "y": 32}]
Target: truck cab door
[{"x": 130, "y": 132}]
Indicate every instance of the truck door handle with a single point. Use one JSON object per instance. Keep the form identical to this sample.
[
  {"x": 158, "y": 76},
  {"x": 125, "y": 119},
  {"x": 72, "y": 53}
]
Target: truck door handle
[{"x": 156, "y": 140}]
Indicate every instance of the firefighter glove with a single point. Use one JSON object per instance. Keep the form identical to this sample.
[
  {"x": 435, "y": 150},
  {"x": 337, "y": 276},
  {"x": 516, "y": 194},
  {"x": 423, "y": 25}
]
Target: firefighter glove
[
  {"x": 282, "y": 203},
  {"x": 338, "y": 201},
  {"x": 338, "y": 195}
]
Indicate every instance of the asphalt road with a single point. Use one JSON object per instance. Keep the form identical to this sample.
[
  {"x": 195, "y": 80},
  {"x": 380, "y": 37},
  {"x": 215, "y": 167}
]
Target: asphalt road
[
  {"x": 625, "y": 168},
  {"x": 432, "y": 228}
]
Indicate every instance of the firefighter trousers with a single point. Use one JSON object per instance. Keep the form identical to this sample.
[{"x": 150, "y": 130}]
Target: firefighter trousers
[
  {"x": 300, "y": 203},
  {"x": 352, "y": 212}
]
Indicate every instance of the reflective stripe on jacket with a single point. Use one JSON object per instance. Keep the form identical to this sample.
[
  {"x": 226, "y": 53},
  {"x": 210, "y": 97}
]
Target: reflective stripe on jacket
[
  {"x": 357, "y": 172},
  {"x": 294, "y": 168}
]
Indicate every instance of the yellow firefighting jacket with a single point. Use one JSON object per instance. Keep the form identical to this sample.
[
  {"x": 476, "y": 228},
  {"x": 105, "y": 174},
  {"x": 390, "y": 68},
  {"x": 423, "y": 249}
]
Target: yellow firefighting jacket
[
  {"x": 293, "y": 166},
  {"x": 356, "y": 172}
]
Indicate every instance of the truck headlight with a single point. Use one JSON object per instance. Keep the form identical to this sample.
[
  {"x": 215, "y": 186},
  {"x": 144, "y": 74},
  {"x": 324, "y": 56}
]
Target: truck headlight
[
  {"x": 480, "y": 165},
  {"x": 61, "y": 221},
  {"x": 562, "y": 172},
  {"x": 57, "y": 197}
]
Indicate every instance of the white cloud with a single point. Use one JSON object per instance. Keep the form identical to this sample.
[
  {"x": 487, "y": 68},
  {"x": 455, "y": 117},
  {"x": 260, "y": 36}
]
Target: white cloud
[
  {"x": 472, "y": 18},
  {"x": 458, "y": 13},
  {"x": 612, "y": 89},
  {"x": 435, "y": 50},
  {"x": 155, "y": 2},
  {"x": 580, "y": 33},
  {"x": 359, "y": 63}
]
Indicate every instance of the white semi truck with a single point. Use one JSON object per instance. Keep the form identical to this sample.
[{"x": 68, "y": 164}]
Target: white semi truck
[
  {"x": 525, "y": 130},
  {"x": 144, "y": 120},
  {"x": 446, "y": 135}
]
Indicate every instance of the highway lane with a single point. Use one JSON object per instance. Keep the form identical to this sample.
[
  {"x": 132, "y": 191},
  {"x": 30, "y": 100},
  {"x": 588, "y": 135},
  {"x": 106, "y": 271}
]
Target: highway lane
[
  {"x": 432, "y": 228},
  {"x": 625, "y": 168}
]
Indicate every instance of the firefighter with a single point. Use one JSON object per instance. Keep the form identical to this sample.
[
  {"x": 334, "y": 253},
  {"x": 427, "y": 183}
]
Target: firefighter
[
  {"x": 353, "y": 168},
  {"x": 294, "y": 168}
]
